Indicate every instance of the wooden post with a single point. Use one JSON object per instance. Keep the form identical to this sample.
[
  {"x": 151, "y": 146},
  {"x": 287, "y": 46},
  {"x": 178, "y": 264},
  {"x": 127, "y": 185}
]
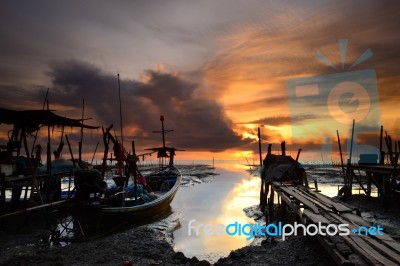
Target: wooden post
[
  {"x": 262, "y": 191},
  {"x": 351, "y": 143},
  {"x": 29, "y": 159},
  {"x": 316, "y": 186},
  {"x": 298, "y": 155},
  {"x": 269, "y": 148},
  {"x": 283, "y": 148},
  {"x": 70, "y": 150},
  {"x": 349, "y": 172},
  {"x": 2, "y": 193},
  {"x": 369, "y": 182},
  {"x": 271, "y": 204},
  {"x": 94, "y": 154},
  {"x": 396, "y": 153},
  {"x": 37, "y": 131},
  {"x": 341, "y": 156},
  {"x": 259, "y": 146},
  {"x": 388, "y": 141},
  {"x": 262, "y": 195},
  {"x": 134, "y": 169},
  {"x": 81, "y": 141},
  {"x": 265, "y": 199},
  {"x": 106, "y": 141},
  {"x": 382, "y": 153},
  {"x": 69, "y": 184},
  {"x": 48, "y": 146}
]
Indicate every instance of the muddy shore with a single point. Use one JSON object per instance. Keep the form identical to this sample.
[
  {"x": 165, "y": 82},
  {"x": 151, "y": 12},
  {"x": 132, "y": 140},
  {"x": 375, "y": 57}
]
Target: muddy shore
[
  {"x": 144, "y": 245},
  {"x": 153, "y": 244}
]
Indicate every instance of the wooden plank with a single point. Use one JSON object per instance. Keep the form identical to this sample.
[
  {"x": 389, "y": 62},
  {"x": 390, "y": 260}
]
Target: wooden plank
[
  {"x": 328, "y": 201},
  {"x": 300, "y": 198},
  {"x": 287, "y": 200},
  {"x": 318, "y": 203},
  {"x": 388, "y": 246},
  {"x": 378, "y": 250},
  {"x": 385, "y": 238},
  {"x": 366, "y": 252},
  {"x": 355, "y": 219},
  {"x": 332, "y": 251},
  {"x": 382, "y": 248},
  {"x": 315, "y": 218},
  {"x": 389, "y": 241}
]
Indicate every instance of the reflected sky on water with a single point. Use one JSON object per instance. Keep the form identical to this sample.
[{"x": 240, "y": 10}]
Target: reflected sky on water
[{"x": 219, "y": 202}]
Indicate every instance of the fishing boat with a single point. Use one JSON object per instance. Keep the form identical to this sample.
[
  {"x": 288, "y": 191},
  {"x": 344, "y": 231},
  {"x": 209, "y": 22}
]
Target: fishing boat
[{"x": 133, "y": 198}]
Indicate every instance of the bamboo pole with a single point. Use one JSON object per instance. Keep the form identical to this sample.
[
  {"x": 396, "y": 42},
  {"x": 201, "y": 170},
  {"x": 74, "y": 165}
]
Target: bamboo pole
[
  {"x": 351, "y": 143},
  {"x": 37, "y": 131},
  {"x": 95, "y": 150},
  {"x": 341, "y": 156},
  {"x": 298, "y": 155},
  {"x": 134, "y": 169},
  {"x": 106, "y": 141},
  {"x": 382, "y": 153},
  {"x": 259, "y": 145},
  {"x": 52, "y": 204},
  {"x": 81, "y": 141},
  {"x": 262, "y": 191},
  {"x": 48, "y": 146},
  {"x": 120, "y": 112},
  {"x": 70, "y": 150}
]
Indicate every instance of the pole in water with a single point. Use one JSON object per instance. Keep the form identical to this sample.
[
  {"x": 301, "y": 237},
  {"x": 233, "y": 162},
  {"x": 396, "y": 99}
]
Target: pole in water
[
  {"x": 259, "y": 146},
  {"x": 120, "y": 111},
  {"x": 351, "y": 143},
  {"x": 340, "y": 152},
  {"x": 162, "y": 130},
  {"x": 381, "y": 153},
  {"x": 81, "y": 142},
  {"x": 37, "y": 131}
]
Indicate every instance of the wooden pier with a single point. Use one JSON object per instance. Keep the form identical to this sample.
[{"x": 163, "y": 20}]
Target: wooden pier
[
  {"x": 298, "y": 203},
  {"x": 382, "y": 176}
]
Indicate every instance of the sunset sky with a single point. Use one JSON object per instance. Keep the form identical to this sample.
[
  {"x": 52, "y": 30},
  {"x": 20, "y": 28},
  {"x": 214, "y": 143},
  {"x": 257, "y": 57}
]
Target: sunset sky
[{"x": 216, "y": 70}]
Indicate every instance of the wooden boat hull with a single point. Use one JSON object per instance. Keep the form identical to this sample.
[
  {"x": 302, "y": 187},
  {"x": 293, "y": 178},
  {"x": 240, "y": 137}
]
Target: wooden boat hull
[{"x": 95, "y": 218}]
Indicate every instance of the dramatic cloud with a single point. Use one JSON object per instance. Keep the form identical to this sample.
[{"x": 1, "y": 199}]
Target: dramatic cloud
[{"x": 199, "y": 124}]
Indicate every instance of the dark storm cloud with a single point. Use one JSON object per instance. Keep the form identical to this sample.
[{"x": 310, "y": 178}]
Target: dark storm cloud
[{"x": 199, "y": 123}]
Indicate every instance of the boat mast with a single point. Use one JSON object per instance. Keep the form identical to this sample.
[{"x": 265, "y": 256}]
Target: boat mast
[
  {"x": 163, "y": 152},
  {"x": 162, "y": 130},
  {"x": 120, "y": 111},
  {"x": 122, "y": 136}
]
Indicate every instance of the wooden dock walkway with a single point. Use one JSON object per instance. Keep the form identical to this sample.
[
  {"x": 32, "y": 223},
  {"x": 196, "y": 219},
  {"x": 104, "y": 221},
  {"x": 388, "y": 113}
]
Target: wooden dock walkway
[{"x": 310, "y": 207}]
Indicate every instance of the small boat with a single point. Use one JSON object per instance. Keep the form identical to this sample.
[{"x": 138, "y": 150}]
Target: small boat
[{"x": 132, "y": 199}]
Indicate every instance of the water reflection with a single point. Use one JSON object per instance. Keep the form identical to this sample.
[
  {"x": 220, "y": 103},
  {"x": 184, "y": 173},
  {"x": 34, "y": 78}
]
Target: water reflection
[
  {"x": 331, "y": 190},
  {"x": 219, "y": 202}
]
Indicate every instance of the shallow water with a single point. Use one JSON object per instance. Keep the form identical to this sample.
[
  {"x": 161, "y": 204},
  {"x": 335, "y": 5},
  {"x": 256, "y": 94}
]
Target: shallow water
[
  {"x": 219, "y": 202},
  {"x": 330, "y": 180}
]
